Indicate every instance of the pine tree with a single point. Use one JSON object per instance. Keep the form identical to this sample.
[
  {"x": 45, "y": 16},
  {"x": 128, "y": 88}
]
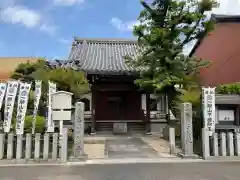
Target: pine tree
[{"x": 166, "y": 27}]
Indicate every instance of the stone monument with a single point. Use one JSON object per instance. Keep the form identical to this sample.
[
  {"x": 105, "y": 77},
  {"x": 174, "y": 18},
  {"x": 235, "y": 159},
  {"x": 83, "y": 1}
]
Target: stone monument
[
  {"x": 78, "y": 132},
  {"x": 186, "y": 131}
]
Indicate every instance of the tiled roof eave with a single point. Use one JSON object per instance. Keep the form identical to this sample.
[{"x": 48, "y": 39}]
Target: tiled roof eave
[
  {"x": 120, "y": 73},
  {"x": 71, "y": 64}
]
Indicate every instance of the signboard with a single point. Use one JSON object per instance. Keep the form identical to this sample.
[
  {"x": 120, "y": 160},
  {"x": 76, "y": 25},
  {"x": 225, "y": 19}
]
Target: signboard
[
  {"x": 226, "y": 115},
  {"x": 209, "y": 108}
]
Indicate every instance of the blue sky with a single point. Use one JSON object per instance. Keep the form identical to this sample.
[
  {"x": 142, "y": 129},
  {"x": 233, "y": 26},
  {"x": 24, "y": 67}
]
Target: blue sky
[{"x": 46, "y": 27}]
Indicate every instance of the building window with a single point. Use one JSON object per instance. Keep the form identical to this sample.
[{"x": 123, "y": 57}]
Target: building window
[
  {"x": 86, "y": 104},
  {"x": 153, "y": 104}
]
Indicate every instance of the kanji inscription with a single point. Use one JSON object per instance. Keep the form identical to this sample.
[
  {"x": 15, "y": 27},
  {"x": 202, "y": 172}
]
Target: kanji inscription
[
  {"x": 79, "y": 130},
  {"x": 186, "y": 126}
]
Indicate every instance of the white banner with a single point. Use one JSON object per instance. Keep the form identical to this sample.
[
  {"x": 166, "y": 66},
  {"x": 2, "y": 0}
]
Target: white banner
[
  {"x": 3, "y": 87},
  {"x": 37, "y": 96},
  {"x": 209, "y": 109},
  {"x": 23, "y": 94},
  {"x": 11, "y": 93},
  {"x": 204, "y": 91},
  {"x": 52, "y": 89}
]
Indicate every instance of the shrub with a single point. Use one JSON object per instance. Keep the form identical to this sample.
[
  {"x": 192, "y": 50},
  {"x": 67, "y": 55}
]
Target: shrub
[
  {"x": 229, "y": 88},
  {"x": 193, "y": 95},
  {"x": 40, "y": 124}
]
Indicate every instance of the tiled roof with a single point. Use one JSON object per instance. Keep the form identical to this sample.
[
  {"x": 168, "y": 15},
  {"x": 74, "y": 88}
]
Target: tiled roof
[{"x": 101, "y": 56}]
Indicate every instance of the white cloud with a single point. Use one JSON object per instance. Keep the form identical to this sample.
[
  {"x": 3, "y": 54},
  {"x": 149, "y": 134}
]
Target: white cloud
[
  {"x": 123, "y": 26},
  {"x": 67, "y": 2},
  {"x": 26, "y": 17},
  {"x": 49, "y": 29},
  {"x": 20, "y": 15},
  {"x": 64, "y": 41}
]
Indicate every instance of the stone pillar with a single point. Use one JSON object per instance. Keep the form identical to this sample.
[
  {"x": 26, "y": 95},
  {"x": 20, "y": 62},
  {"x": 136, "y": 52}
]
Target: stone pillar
[
  {"x": 205, "y": 143},
  {"x": 237, "y": 142},
  {"x": 186, "y": 131},
  {"x": 172, "y": 141},
  {"x": 28, "y": 146},
  {"x": 2, "y": 138},
  {"x": 10, "y": 146},
  {"x": 19, "y": 147},
  {"x": 78, "y": 149},
  {"x": 64, "y": 146}
]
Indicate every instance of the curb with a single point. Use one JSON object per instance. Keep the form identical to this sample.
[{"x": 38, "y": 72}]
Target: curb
[
  {"x": 118, "y": 161},
  {"x": 106, "y": 162}
]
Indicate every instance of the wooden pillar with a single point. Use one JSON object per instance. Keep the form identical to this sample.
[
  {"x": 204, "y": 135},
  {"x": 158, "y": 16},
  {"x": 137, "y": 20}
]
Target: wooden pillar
[
  {"x": 93, "y": 126},
  {"x": 167, "y": 109},
  {"x": 148, "y": 113}
]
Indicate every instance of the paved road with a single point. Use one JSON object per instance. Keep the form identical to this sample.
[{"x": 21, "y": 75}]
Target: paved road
[{"x": 164, "y": 171}]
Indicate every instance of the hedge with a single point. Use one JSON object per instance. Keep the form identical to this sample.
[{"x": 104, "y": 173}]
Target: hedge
[
  {"x": 233, "y": 88},
  {"x": 40, "y": 124}
]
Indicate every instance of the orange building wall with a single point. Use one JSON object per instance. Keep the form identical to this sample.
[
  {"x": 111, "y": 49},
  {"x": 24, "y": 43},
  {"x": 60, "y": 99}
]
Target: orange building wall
[
  {"x": 9, "y": 64},
  {"x": 222, "y": 48}
]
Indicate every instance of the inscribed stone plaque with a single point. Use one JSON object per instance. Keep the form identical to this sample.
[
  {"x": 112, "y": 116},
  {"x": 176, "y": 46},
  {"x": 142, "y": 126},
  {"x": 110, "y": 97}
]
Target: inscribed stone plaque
[{"x": 79, "y": 130}]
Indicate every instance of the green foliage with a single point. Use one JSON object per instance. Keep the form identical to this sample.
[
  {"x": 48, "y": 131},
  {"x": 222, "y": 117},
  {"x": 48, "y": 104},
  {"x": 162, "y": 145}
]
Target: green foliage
[
  {"x": 192, "y": 95},
  {"x": 40, "y": 124},
  {"x": 24, "y": 70},
  {"x": 166, "y": 27},
  {"x": 229, "y": 88},
  {"x": 66, "y": 80}
]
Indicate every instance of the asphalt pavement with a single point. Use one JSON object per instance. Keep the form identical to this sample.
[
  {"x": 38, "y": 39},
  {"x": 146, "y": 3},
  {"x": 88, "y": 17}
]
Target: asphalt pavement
[{"x": 147, "y": 171}]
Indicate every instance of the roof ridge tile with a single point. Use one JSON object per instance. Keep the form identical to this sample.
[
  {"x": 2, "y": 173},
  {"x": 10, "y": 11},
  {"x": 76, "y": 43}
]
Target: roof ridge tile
[{"x": 105, "y": 40}]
